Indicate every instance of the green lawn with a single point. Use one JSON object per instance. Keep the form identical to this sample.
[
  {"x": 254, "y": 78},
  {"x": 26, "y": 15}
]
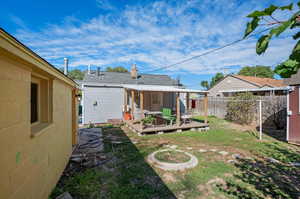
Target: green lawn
[{"x": 127, "y": 174}]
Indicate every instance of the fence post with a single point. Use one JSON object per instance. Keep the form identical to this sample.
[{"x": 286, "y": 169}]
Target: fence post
[{"x": 260, "y": 119}]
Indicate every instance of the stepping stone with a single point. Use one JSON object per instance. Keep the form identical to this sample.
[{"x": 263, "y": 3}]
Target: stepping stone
[
  {"x": 65, "y": 195},
  {"x": 272, "y": 160},
  {"x": 173, "y": 146},
  {"x": 231, "y": 161},
  {"x": 189, "y": 148},
  {"x": 295, "y": 164},
  {"x": 202, "y": 150},
  {"x": 116, "y": 142},
  {"x": 238, "y": 139},
  {"x": 223, "y": 153},
  {"x": 213, "y": 150}
]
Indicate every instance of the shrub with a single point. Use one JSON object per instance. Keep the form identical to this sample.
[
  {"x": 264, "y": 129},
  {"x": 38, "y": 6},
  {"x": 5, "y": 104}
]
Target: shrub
[
  {"x": 241, "y": 108},
  {"x": 148, "y": 120}
]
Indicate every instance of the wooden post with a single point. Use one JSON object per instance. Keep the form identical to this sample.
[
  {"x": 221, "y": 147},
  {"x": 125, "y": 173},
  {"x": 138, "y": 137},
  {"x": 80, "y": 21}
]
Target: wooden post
[
  {"x": 205, "y": 108},
  {"x": 187, "y": 102},
  {"x": 125, "y": 100},
  {"x": 178, "y": 108},
  {"x": 142, "y": 103},
  {"x": 74, "y": 116},
  {"x": 132, "y": 104}
]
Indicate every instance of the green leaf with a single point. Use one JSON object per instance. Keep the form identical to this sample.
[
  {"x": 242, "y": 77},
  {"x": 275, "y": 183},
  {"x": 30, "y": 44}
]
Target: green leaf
[
  {"x": 297, "y": 47},
  {"x": 257, "y": 14},
  {"x": 270, "y": 10},
  {"x": 288, "y": 7},
  {"x": 266, "y": 12},
  {"x": 262, "y": 44},
  {"x": 251, "y": 26},
  {"x": 287, "y": 68},
  {"x": 298, "y": 4},
  {"x": 279, "y": 29},
  {"x": 295, "y": 56},
  {"x": 296, "y": 36}
]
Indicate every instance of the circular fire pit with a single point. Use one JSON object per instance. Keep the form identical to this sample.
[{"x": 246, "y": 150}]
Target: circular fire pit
[{"x": 172, "y": 160}]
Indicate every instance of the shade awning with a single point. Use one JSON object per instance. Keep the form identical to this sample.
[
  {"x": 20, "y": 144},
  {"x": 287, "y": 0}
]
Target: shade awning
[{"x": 162, "y": 89}]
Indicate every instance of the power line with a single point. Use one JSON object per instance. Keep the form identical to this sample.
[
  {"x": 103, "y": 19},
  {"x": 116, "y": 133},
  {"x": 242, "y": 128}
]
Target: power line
[{"x": 208, "y": 52}]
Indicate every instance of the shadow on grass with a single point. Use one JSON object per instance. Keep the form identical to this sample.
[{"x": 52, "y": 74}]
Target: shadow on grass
[
  {"x": 125, "y": 174},
  {"x": 270, "y": 179}
]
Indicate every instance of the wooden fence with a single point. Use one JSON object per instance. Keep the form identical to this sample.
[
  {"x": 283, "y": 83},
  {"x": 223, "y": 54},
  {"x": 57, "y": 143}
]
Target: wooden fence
[{"x": 273, "y": 109}]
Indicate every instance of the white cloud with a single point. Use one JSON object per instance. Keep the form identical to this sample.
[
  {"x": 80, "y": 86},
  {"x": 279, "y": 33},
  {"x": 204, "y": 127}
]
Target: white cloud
[
  {"x": 105, "y": 5},
  {"x": 158, "y": 34}
]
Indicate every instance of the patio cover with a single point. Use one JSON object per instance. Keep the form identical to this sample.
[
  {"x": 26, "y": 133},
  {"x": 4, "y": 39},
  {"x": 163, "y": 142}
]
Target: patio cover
[{"x": 162, "y": 89}]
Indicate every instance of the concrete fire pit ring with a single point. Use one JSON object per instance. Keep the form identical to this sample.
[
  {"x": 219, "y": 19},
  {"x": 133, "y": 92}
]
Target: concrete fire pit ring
[{"x": 193, "y": 162}]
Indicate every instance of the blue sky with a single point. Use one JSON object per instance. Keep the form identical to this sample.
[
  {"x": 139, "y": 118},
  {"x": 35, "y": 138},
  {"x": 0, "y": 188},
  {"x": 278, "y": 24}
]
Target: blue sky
[{"x": 151, "y": 34}]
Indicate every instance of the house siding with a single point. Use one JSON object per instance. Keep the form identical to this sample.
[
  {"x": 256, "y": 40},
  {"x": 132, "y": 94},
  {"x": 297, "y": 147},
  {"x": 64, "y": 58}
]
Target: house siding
[
  {"x": 109, "y": 100},
  {"x": 31, "y": 166},
  {"x": 229, "y": 83},
  {"x": 294, "y": 119}
]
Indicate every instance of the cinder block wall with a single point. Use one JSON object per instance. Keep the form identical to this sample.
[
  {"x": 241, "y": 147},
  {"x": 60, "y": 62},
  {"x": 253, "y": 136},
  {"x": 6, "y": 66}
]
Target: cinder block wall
[{"x": 30, "y": 166}]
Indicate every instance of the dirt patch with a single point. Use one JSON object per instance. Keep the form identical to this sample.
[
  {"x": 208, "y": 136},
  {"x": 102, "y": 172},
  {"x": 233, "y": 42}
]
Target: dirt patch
[
  {"x": 240, "y": 127},
  {"x": 169, "y": 177},
  {"x": 207, "y": 189},
  {"x": 172, "y": 156}
]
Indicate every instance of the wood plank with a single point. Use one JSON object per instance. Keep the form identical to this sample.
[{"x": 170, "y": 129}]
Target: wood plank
[{"x": 205, "y": 108}]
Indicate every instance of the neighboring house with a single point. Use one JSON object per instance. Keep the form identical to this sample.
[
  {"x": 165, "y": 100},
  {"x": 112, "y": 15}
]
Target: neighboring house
[
  {"x": 103, "y": 93},
  {"x": 232, "y": 84},
  {"x": 38, "y": 122},
  {"x": 293, "y": 124}
]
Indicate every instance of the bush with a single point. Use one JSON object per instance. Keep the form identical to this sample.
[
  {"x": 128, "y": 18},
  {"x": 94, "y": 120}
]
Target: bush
[
  {"x": 241, "y": 109},
  {"x": 148, "y": 120}
]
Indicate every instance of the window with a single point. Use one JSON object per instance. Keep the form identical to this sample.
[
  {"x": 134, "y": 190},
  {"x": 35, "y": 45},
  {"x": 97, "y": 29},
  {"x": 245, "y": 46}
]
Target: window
[
  {"x": 155, "y": 98},
  {"x": 34, "y": 102},
  {"x": 40, "y": 102}
]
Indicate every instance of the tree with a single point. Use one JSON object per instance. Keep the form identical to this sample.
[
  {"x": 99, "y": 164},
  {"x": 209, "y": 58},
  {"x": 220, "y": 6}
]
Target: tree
[
  {"x": 292, "y": 64},
  {"x": 205, "y": 84},
  {"x": 76, "y": 74},
  {"x": 119, "y": 69},
  {"x": 257, "y": 71},
  {"x": 213, "y": 81}
]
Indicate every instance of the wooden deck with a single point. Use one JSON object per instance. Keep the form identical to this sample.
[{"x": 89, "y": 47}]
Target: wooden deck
[{"x": 193, "y": 126}]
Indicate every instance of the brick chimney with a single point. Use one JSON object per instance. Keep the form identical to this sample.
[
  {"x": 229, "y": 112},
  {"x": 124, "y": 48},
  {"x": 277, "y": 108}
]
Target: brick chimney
[{"x": 134, "y": 71}]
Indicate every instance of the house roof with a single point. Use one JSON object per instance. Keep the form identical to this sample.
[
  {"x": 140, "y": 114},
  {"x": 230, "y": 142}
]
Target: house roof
[
  {"x": 162, "y": 88},
  {"x": 293, "y": 80},
  {"x": 125, "y": 78},
  {"x": 261, "y": 82},
  {"x": 16, "y": 48}
]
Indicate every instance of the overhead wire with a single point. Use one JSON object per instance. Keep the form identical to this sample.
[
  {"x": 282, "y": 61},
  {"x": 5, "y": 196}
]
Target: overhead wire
[{"x": 207, "y": 52}]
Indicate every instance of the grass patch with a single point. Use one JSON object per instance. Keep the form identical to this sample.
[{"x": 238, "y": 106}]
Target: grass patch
[
  {"x": 126, "y": 174},
  {"x": 82, "y": 185},
  {"x": 172, "y": 156}
]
